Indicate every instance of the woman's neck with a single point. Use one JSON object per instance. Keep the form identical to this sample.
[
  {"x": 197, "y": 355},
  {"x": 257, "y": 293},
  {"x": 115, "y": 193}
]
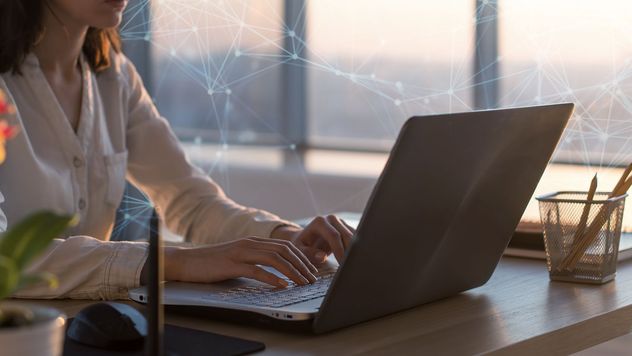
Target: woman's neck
[{"x": 60, "y": 46}]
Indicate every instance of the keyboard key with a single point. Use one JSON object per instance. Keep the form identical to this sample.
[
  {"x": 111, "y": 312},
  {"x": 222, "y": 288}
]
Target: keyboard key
[{"x": 267, "y": 296}]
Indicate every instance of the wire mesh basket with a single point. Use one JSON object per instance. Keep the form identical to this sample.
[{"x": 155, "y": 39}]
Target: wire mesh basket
[{"x": 573, "y": 253}]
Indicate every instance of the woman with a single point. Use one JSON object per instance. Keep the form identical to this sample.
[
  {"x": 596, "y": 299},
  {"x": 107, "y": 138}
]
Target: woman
[{"x": 86, "y": 123}]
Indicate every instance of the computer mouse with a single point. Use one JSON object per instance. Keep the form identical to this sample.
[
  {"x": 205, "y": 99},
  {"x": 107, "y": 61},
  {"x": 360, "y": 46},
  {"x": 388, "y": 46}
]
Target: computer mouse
[{"x": 109, "y": 325}]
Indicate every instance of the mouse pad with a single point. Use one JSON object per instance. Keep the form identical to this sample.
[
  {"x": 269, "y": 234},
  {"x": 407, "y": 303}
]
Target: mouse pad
[{"x": 178, "y": 341}]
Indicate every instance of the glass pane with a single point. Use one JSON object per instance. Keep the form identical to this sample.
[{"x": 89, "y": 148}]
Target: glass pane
[
  {"x": 216, "y": 67},
  {"x": 579, "y": 51},
  {"x": 372, "y": 64}
]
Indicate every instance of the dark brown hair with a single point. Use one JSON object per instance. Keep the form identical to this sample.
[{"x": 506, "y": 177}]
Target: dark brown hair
[{"x": 21, "y": 27}]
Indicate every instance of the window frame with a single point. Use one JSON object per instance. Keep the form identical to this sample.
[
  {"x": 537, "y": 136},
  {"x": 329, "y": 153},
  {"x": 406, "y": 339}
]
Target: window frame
[{"x": 294, "y": 119}]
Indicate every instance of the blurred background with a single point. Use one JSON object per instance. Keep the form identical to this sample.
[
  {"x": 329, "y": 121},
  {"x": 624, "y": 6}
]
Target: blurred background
[{"x": 293, "y": 105}]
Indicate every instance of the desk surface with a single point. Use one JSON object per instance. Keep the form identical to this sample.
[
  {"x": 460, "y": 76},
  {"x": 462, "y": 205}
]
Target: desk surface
[{"x": 518, "y": 311}]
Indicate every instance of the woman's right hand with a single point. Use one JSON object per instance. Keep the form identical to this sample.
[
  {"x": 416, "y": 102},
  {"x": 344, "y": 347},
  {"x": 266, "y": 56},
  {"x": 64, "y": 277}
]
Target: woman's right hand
[{"x": 240, "y": 258}]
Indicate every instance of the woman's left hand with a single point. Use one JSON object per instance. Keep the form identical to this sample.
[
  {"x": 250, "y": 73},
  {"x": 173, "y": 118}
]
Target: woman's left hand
[{"x": 321, "y": 237}]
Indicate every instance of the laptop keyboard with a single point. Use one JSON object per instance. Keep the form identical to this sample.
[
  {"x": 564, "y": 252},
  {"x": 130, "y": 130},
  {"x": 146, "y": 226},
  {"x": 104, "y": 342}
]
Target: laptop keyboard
[{"x": 268, "y": 296}]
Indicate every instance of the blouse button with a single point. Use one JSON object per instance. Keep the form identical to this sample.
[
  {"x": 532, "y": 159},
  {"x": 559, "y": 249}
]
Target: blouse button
[
  {"x": 82, "y": 204},
  {"x": 77, "y": 162}
]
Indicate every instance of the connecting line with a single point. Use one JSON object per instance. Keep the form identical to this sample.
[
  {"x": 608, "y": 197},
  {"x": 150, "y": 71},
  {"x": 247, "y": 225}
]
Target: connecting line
[{"x": 232, "y": 52}]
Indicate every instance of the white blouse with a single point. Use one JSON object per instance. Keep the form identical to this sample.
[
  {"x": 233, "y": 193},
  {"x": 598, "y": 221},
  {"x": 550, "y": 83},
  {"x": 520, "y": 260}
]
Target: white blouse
[{"x": 120, "y": 135}]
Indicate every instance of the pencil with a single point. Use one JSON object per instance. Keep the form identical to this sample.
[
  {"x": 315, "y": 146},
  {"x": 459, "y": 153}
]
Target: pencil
[
  {"x": 584, "y": 218},
  {"x": 589, "y": 237},
  {"x": 621, "y": 181}
]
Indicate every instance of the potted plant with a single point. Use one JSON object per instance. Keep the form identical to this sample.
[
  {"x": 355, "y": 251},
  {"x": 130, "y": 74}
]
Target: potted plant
[{"x": 27, "y": 330}]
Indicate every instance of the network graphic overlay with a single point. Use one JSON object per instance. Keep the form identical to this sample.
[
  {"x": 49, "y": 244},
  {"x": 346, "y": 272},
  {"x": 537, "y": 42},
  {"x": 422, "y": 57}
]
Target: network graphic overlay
[{"x": 217, "y": 71}]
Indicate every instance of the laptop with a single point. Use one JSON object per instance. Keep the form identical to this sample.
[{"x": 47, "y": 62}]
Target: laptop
[{"x": 436, "y": 224}]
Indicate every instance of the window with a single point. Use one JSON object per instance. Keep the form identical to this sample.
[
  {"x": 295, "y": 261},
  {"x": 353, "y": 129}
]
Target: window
[
  {"x": 580, "y": 51},
  {"x": 219, "y": 68},
  {"x": 373, "y": 64},
  {"x": 216, "y": 68}
]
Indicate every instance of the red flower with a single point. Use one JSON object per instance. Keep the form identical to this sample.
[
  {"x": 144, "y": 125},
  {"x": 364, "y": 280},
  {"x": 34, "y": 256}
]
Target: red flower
[
  {"x": 7, "y": 131},
  {"x": 5, "y": 107}
]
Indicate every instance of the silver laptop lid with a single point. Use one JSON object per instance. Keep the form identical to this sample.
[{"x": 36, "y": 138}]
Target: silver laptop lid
[{"x": 441, "y": 214}]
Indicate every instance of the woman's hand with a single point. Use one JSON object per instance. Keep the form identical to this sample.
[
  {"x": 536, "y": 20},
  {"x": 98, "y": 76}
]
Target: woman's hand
[
  {"x": 239, "y": 258},
  {"x": 321, "y": 237}
]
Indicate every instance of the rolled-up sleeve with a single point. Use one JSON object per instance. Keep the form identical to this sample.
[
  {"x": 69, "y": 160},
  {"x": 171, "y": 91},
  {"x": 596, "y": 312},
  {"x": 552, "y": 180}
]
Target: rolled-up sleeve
[
  {"x": 191, "y": 204},
  {"x": 87, "y": 268}
]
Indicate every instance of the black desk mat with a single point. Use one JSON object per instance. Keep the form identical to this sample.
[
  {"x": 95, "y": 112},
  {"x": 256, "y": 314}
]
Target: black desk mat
[{"x": 178, "y": 341}]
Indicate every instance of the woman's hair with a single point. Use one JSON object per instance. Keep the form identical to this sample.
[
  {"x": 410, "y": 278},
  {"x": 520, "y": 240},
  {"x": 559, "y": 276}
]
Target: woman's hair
[{"x": 21, "y": 27}]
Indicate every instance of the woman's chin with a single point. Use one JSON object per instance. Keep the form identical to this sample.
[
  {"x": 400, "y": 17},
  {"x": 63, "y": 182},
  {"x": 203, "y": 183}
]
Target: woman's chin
[{"x": 109, "y": 21}]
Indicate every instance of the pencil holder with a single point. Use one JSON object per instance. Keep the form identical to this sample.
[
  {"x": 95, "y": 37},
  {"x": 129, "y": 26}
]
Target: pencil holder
[{"x": 581, "y": 236}]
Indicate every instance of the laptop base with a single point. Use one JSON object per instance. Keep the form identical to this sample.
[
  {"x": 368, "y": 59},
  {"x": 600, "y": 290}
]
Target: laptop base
[{"x": 242, "y": 317}]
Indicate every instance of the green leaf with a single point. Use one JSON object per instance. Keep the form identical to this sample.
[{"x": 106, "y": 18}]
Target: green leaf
[
  {"x": 27, "y": 280},
  {"x": 29, "y": 237},
  {"x": 9, "y": 276}
]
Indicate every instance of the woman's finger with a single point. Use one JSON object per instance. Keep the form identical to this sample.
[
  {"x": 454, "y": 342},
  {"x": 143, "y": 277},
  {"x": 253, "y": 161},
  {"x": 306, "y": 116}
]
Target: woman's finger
[
  {"x": 316, "y": 255},
  {"x": 330, "y": 234},
  {"x": 276, "y": 261},
  {"x": 260, "y": 274},
  {"x": 351, "y": 228},
  {"x": 290, "y": 253},
  {"x": 292, "y": 248},
  {"x": 345, "y": 233}
]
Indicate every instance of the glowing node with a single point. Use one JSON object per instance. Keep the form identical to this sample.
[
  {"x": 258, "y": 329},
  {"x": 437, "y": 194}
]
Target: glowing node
[
  {"x": 338, "y": 72},
  {"x": 224, "y": 146},
  {"x": 291, "y": 33},
  {"x": 373, "y": 76},
  {"x": 146, "y": 37},
  {"x": 397, "y": 102},
  {"x": 450, "y": 91},
  {"x": 499, "y": 58},
  {"x": 210, "y": 92},
  {"x": 194, "y": 29},
  {"x": 228, "y": 91},
  {"x": 399, "y": 85},
  {"x": 293, "y": 147},
  {"x": 237, "y": 53},
  {"x": 197, "y": 140},
  {"x": 172, "y": 52},
  {"x": 603, "y": 137},
  {"x": 294, "y": 56},
  {"x": 537, "y": 98},
  {"x": 126, "y": 216}
]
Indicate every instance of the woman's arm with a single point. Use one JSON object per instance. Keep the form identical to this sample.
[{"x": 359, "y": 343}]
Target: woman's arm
[
  {"x": 322, "y": 236},
  {"x": 194, "y": 206},
  {"x": 88, "y": 268},
  {"x": 189, "y": 202},
  {"x": 240, "y": 258}
]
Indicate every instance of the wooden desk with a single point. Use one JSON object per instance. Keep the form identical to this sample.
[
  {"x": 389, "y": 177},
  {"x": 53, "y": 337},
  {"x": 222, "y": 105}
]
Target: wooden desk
[{"x": 517, "y": 312}]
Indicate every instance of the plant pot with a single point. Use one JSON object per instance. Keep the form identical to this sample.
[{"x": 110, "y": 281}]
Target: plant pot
[{"x": 43, "y": 337}]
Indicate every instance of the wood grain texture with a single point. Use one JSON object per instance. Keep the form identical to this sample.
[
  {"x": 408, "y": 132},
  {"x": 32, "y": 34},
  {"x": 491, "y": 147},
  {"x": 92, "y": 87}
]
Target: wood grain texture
[{"x": 518, "y": 312}]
